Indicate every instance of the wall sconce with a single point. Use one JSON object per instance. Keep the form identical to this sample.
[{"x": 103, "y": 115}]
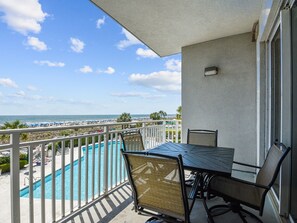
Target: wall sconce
[{"x": 210, "y": 71}]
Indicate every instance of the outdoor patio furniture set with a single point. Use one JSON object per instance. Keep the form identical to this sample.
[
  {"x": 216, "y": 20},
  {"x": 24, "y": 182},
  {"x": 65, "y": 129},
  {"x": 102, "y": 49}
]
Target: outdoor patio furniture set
[{"x": 160, "y": 189}]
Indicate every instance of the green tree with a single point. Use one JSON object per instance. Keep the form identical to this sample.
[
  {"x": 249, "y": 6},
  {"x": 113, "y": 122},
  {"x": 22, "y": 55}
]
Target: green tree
[
  {"x": 155, "y": 116},
  {"x": 162, "y": 114},
  {"x": 14, "y": 125},
  {"x": 179, "y": 112},
  {"x": 124, "y": 117}
]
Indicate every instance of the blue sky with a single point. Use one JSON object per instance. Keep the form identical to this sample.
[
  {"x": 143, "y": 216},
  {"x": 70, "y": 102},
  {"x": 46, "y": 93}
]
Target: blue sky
[{"x": 69, "y": 57}]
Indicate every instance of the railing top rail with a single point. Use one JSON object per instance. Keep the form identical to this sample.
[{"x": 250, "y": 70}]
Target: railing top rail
[{"x": 58, "y": 128}]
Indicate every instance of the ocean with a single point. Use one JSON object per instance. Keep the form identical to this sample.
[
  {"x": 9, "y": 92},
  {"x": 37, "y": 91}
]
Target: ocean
[{"x": 62, "y": 118}]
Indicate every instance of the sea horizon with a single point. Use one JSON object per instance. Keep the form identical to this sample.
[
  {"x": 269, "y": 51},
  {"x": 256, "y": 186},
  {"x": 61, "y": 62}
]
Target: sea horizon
[
  {"x": 30, "y": 119},
  {"x": 63, "y": 118}
]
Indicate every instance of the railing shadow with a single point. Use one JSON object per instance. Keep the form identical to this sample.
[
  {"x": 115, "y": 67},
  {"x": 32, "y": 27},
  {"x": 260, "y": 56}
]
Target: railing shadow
[{"x": 103, "y": 209}]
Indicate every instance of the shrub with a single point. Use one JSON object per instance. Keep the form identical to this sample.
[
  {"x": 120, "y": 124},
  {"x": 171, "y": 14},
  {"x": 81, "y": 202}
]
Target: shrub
[
  {"x": 6, "y": 166},
  {"x": 5, "y": 159},
  {"x": 23, "y": 163},
  {"x": 23, "y": 157}
]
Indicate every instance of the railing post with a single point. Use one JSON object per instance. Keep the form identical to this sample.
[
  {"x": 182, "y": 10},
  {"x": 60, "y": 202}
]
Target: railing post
[
  {"x": 144, "y": 135},
  {"x": 15, "y": 177},
  {"x": 176, "y": 131},
  {"x": 106, "y": 137},
  {"x": 164, "y": 131}
]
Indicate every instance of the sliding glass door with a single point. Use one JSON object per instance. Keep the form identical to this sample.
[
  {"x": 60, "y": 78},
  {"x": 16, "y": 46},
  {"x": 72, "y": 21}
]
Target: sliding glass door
[
  {"x": 275, "y": 62},
  {"x": 293, "y": 209}
]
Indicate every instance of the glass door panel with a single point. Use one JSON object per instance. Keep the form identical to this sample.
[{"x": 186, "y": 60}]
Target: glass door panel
[{"x": 275, "y": 94}]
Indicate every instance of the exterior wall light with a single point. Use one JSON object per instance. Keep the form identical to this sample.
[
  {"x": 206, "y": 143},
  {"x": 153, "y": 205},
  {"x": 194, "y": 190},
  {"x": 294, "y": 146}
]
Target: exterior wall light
[{"x": 210, "y": 71}]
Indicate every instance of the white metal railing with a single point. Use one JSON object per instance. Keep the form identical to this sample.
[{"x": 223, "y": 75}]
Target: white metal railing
[{"x": 83, "y": 168}]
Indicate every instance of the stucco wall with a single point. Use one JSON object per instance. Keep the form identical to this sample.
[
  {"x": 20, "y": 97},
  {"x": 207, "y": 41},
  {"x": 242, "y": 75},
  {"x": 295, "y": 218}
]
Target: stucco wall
[{"x": 226, "y": 102}]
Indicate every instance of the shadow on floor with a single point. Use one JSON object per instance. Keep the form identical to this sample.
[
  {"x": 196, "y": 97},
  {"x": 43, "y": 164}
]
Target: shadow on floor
[{"x": 117, "y": 208}]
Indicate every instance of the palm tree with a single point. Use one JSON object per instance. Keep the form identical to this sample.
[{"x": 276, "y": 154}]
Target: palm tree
[
  {"x": 163, "y": 114},
  {"x": 14, "y": 125},
  {"x": 155, "y": 116},
  {"x": 124, "y": 117},
  {"x": 179, "y": 112}
]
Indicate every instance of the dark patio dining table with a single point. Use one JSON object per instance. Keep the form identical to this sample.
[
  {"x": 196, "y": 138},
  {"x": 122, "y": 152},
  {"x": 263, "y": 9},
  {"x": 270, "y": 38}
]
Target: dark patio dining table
[{"x": 213, "y": 160}]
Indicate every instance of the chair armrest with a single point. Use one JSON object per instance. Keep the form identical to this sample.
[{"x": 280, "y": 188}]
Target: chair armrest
[
  {"x": 194, "y": 189},
  {"x": 244, "y": 171},
  {"x": 245, "y": 164},
  {"x": 250, "y": 183}
]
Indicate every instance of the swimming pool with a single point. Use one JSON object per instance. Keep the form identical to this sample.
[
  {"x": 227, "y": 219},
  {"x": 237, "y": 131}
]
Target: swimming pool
[{"x": 114, "y": 159}]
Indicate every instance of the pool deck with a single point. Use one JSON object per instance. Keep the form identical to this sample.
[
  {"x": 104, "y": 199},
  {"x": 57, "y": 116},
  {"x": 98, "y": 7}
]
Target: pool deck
[{"x": 5, "y": 191}]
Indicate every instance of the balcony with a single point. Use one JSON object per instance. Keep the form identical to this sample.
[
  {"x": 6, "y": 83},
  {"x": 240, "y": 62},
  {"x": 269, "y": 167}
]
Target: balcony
[{"x": 33, "y": 195}]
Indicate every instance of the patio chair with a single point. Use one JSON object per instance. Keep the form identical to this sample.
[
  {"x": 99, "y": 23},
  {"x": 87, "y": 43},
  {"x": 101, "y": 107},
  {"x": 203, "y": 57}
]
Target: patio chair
[
  {"x": 132, "y": 140},
  {"x": 158, "y": 187},
  {"x": 237, "y": 192},
  {"x": 202, "y": 138}
]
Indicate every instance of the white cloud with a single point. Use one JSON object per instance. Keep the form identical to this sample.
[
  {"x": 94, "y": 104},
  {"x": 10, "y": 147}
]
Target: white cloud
[
  {"x": 36, "y": 44},
  {"x": 174, "y": 65},
  {"x": 167, "y": 80},
  {"x": 22, "y": 16},
  {"x": 6, "y": 82},
  {"x": 129, "y": 41},
  {"x": 49, "y": 63},
  {"x": 109, "y": 70},
  {"x": 136, "y": 95},
  {"x": 20, "y": 94},
  {"x": 21, "y": 97},
  {"x": 146, "y": 53},
  {"x": 77, "y": 45},
  {"x": 100, "y": 22},
  {"x": 161, "y": 80},
  {"x": 86, "y": 69},
  {"x": 32, "y": 88}
]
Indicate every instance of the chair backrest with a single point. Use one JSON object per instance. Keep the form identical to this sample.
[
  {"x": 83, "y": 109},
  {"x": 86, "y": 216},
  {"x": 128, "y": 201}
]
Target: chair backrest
[
  {"x": 202, "y": 137},
  {"x": 272, "y": 164},
  {"x": 157, "y": 183},
  {"x": 132, "y": 140}
]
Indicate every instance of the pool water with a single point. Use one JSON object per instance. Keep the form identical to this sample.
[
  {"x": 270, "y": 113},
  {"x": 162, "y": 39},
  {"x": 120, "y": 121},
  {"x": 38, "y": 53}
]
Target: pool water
[{"x": 115, "y": 158}]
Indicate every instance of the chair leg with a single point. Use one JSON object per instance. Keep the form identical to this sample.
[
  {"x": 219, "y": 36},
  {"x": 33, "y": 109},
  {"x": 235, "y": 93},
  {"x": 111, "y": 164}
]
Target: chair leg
[
  {"x": 209, "y": 216},
  {"x": 154, "y": 220},
  {"x": 251, "y": 214},
  {"x": 234, "y": 207},
  {"x": 242, "y": 217},
  {"x": 220, "y": 206}
]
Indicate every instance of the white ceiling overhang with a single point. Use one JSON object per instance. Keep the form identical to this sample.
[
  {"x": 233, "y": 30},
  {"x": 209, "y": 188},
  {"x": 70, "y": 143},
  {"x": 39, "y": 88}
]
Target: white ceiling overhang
[{"x": 166, "y": 26}]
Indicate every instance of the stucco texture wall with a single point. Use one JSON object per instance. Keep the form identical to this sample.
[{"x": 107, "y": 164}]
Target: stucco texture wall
[{"x": 227, "y": 101}]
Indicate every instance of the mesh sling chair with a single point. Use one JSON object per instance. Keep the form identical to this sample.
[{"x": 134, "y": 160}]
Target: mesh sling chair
[
  {"x": 202, "y": 138},
  {"x": 237, "y": 192},
  {"x": 132, "y": 140},
  {"x": 158, "y": 187}
]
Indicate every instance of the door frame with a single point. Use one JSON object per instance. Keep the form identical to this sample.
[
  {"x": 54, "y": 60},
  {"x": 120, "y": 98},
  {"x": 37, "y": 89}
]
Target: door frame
[{"x": 282, "y": 22}]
